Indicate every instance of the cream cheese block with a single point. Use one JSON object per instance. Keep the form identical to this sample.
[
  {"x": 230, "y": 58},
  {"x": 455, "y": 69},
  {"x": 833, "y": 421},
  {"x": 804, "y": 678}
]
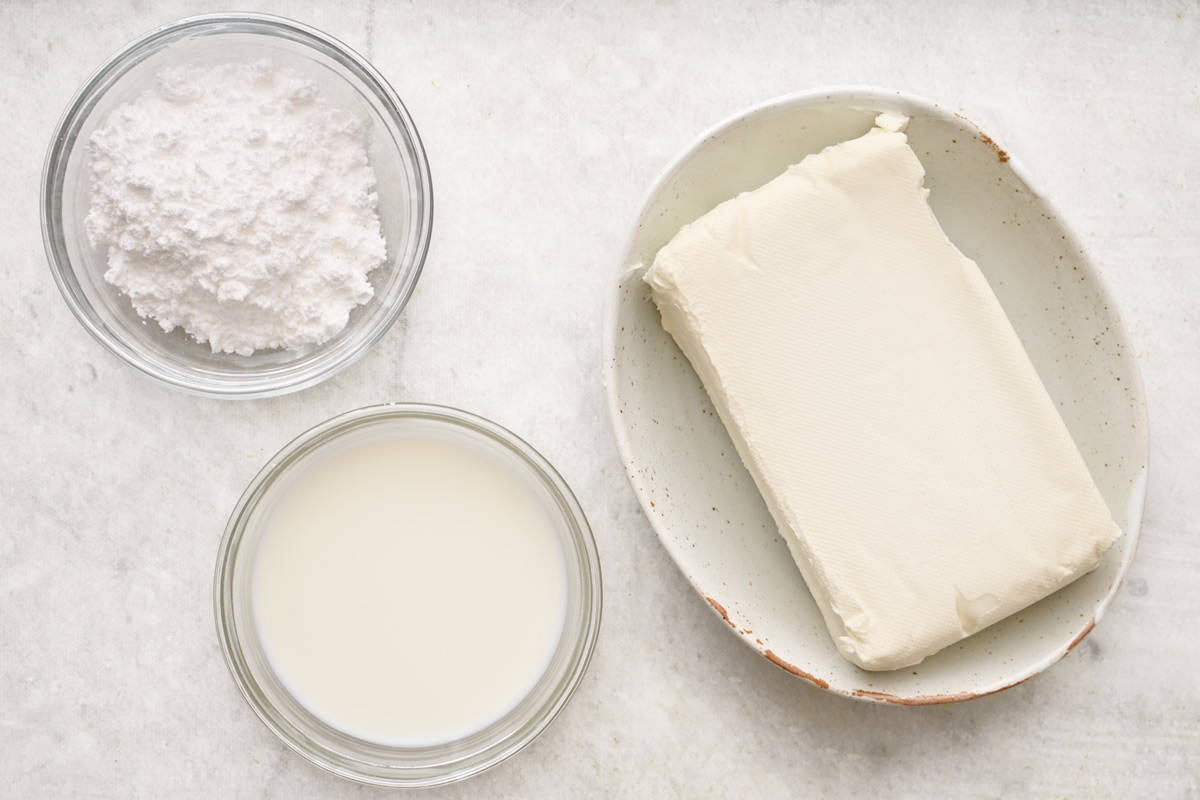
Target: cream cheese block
[{"x": 877, "y": 393}]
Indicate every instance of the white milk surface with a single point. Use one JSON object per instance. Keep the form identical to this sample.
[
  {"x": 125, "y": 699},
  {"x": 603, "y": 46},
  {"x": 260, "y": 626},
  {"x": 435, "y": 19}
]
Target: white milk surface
[{"x": 409, "y": 590}]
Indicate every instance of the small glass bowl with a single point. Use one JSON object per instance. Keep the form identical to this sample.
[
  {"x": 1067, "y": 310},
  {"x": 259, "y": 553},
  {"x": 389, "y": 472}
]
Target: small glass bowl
[
  {"x": 367, "y": 761},
  {"x": 395, "y": 152}
]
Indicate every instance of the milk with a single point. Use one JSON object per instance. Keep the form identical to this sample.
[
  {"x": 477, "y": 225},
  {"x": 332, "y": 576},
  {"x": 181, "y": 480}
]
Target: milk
[{"x": 410, "y": 589}]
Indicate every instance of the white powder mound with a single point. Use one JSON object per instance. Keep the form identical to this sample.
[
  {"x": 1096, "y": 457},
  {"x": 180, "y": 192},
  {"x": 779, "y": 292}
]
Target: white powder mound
[{"x": 237, "y": 203}]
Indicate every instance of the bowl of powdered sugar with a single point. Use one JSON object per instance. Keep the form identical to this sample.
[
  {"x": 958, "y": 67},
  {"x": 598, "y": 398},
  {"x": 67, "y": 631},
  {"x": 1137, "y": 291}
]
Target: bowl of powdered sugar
[{"x": 237, "y": 205}]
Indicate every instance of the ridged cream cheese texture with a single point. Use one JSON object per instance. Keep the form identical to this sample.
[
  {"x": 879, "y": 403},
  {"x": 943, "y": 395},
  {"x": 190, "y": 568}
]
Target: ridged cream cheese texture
[{"x": 877, "y": 393}]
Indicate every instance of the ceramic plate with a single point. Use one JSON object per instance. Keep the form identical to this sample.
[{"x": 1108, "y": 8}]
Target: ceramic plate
[{"x": 703, "y": 504}]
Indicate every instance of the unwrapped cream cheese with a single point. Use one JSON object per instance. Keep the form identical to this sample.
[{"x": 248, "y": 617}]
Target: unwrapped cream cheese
[{"x": 882, "y": 402}]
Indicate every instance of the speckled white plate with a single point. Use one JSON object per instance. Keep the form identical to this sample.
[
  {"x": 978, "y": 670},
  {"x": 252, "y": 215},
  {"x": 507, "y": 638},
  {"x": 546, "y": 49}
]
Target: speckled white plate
[{"x": 702, "y": 502}]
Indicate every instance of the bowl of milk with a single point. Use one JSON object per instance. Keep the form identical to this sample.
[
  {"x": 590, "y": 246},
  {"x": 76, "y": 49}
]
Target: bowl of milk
[{"x": 407, "y": 594}]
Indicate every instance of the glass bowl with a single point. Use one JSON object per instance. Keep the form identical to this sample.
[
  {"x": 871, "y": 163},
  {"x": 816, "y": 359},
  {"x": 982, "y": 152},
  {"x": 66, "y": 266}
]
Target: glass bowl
[
  {"x": 367, "y": 761},
  {"x": 395, "y": 152}
]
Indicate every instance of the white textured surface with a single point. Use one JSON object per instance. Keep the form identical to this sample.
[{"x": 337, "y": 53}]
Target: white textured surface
[
  {"x": 544, "y": 124},
  {"x": 254, "y": 187}
]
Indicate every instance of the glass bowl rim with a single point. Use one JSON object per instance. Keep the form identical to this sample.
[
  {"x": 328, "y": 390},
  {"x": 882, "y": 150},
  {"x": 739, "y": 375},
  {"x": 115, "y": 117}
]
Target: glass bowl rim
[
  {"x": 265, "y": 383},
  {"x": 583, "y": 556}
]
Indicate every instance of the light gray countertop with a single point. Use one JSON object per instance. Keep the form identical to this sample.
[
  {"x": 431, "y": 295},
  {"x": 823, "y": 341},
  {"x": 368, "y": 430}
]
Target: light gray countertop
[{"x": 545, "y": 123}]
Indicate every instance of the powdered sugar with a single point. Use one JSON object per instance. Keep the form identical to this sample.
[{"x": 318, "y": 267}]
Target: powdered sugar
[{"x": 237, "y": 203}]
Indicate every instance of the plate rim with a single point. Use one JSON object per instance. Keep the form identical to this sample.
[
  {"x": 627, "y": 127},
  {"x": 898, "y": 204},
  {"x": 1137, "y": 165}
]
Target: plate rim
[{"x": 850, "y": 94}]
